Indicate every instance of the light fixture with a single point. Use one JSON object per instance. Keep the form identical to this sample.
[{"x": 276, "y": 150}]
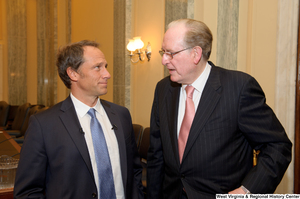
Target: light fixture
[{"x": 135, "y": 46}]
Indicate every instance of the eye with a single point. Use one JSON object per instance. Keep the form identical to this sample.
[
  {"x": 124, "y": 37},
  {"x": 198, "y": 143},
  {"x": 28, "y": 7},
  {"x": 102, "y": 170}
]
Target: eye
[{"x": 161, "y": 52}]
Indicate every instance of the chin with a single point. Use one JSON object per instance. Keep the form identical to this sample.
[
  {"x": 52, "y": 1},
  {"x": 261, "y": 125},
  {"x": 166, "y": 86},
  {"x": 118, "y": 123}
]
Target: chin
[
  {"x": 174, "y": 79},
  {"x": 103, "y": 92}
]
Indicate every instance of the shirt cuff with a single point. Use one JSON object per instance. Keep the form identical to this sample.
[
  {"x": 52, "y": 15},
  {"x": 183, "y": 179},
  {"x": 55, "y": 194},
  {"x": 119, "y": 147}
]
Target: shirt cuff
[{"x": 245, "y": 190}]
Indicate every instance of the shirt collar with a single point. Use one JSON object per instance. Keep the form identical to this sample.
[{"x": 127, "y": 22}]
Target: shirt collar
[
  {"x": 82, "y": 108},
  {"x": 199, "y": 83}
]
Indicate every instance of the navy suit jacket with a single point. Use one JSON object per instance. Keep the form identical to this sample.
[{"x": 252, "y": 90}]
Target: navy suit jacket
[
  {"x": 231, "y": 120},
  {"x": 55, "y": 163}
]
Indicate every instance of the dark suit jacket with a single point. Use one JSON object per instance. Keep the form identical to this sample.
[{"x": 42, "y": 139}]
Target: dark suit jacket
[
  {"x": 55, "y": 163},
  {"x": 232, "y": 119}
]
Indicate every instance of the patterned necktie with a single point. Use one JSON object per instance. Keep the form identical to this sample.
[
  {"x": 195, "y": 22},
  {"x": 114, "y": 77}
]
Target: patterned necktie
[
  {"x": 106, "y": 181},
  {"x": 187, "y": 121}
]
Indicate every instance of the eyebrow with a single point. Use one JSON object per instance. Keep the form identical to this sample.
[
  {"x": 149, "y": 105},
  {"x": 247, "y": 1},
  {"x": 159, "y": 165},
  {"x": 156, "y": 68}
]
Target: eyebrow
[
  {"x": 167, "y": 51},
  {"x": 101, "y": 64}
]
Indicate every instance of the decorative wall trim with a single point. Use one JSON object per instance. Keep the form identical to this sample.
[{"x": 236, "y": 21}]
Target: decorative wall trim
[
  {"x": 119, "y": 52},
  {"x": 174, "y": 10},
  {"x": 227, "y": 33},
  {"x": 122, "y": 65},
  {"x": 190, "y": 9},
  {"x": 17, "y": 51},
  {"x": 69, "y": 31},
  {"x": 128, "y": 35},
  {"x": 47, "y": 49}
]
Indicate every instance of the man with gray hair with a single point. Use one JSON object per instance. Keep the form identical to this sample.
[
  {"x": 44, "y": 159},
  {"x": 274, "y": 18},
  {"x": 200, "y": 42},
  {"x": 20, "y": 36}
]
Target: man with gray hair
[{"x": 205, "y": 123}]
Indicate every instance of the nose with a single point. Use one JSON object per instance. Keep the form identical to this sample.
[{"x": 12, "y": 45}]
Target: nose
[
  {"x": 164, "y": 60},
  {"x": 106, "y": 74}
]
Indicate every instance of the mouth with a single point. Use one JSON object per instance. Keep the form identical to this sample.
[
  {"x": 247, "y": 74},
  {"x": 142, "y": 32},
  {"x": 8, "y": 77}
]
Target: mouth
[
  {"x": 171, "y": 70},
  {"x": 103, "y": 83}
]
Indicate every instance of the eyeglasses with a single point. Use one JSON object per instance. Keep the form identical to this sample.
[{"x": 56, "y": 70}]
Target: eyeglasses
[{"x": 171, "y": 55}]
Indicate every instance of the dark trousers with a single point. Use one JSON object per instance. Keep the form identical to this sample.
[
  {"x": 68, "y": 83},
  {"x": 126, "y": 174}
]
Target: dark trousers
[{"x": 184, "y": 195}]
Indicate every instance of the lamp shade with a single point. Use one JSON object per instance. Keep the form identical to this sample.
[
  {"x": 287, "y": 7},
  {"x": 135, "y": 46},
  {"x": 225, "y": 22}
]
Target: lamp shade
[
  {"x": 130, "y": 45},
  {"x": 138, "y": 43}
]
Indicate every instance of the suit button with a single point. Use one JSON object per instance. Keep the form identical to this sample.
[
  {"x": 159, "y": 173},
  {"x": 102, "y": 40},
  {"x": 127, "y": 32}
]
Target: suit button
[
  {"x": 94, "y": 195},
  {"x": 182, "y": 176}
]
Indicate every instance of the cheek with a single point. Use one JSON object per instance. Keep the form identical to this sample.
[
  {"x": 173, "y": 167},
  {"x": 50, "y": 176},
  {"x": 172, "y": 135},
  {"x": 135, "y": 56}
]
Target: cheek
[
  {"x": 180, "y": 69},
  {"x": 95, "y": 75}
]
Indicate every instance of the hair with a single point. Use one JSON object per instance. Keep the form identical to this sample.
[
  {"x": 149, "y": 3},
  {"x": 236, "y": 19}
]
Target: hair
[
  {"x": 197, "y": 34},
  {"x": 71, "y": 55}
]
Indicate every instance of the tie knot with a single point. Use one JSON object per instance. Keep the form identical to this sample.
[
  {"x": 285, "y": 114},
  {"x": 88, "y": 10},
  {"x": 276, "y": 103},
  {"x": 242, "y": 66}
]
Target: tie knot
[
  {"x": 189, "y": 91},
  {"x": 91, "y": 112}
]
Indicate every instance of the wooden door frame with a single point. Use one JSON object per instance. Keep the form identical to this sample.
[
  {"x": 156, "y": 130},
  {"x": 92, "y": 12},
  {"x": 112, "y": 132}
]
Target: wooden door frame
[{"x": 297, "y": 121}]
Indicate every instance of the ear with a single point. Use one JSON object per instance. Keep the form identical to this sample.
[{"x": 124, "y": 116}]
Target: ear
[
  {"x": 72, "y": 74},
  {"x": 197, "y": 51}
]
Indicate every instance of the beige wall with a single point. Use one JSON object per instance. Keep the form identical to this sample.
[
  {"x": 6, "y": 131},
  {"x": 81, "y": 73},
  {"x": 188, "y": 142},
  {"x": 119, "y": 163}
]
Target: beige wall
[
  {"x": 148, "y": 22},
  {"x": 260, "y": 44},
  {"x": 207, "y": 11},
  {"x": 62, "y": 91},
  {"x": 90, "y": 20},
  {"x": 256, "y": 53},
  {"x": 257, "y": 38},
  {"x": 93, "y": 20}
]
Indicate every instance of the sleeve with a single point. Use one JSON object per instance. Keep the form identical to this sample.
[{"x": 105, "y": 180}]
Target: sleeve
[
  {"x": 31, "y": 172},
  {"x": 134, "y": 159},
  {"x": 265, "y": 133},
  {"x": 137, "y": 168},
  {"x": 155, "y": 161}
]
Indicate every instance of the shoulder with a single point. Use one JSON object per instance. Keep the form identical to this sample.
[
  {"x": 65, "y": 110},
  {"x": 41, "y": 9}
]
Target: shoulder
[
  {"x": 113, "y": 106},
  {"x": 54, "y": 111},
  {"x": 228, "y": 72},
  {"x": 234, "y": 81},
  {"x": 227, "y": 76}
]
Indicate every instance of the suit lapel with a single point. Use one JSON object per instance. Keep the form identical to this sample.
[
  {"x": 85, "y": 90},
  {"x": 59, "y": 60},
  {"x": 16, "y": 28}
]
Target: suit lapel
[
  {"x": 70, "y": 120},
  {"x": 209, "y": 99},
  {"x": 172, "y": 102},
  {"x": 114, "y": 120}
]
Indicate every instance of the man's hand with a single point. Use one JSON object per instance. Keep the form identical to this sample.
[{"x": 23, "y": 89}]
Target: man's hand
[{"x": 237, "y": 191}]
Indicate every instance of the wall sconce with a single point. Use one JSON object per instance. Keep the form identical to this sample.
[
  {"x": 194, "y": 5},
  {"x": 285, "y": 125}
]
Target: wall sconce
[{"x": 135, "y": 46}]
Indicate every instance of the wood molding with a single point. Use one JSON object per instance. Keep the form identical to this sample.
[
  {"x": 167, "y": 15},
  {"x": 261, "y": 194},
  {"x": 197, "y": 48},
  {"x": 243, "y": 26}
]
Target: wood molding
[{"x": 297, "y": 122}]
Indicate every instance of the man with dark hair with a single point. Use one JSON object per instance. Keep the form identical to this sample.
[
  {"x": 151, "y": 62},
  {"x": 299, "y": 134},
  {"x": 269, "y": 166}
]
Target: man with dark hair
[
  {"x": 83, "y": 147},
  {"x": 205, "y": 123}
]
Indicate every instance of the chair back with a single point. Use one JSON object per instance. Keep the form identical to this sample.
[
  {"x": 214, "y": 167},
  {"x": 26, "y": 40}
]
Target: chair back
[
  {"x": 32, "y": 110},
  {"x": 42, "y": 109},
  {"x": 138, "y": 130},
  {"x": 144, "y": 144},
  {"x": 20, "y": 116},
  {"x": 143, "y": 150},
  {"x": 4, "y": 110}
]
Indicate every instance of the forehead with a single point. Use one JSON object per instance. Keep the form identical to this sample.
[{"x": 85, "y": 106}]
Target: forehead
[
  {"x": 93, "y": 54},
  {"x": 173, "y": 38}
]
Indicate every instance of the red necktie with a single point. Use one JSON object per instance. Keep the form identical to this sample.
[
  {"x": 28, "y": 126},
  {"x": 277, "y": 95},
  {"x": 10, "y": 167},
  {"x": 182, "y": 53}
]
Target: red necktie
[{"x": 187, "y": 120}]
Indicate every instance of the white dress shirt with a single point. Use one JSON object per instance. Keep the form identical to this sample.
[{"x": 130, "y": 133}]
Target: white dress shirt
[
  {"x": 111, "y": 141},
  {"x": 199, "y": 86}
]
